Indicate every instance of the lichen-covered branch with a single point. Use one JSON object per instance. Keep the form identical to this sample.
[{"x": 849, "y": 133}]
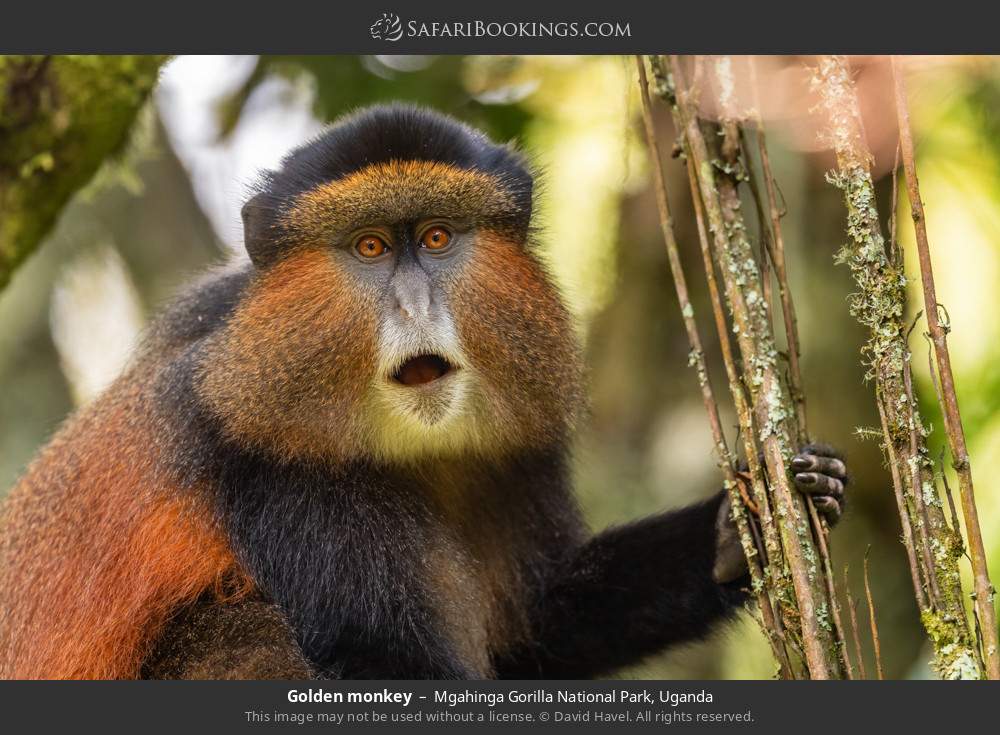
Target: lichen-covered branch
[
  {"x": 697, "y": 359},
  {"x": 793, "y": 574},
  {"x": 984, "y": 592},
  {"x": 60, "y": 118},
  {"x": 774, "y": 247},
  {"x": 777, "y": 253},
  {"x": 933, "y": 548}
]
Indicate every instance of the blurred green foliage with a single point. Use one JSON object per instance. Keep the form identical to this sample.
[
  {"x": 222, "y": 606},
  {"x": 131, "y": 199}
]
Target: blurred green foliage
[{"x": 345, "y": 82}]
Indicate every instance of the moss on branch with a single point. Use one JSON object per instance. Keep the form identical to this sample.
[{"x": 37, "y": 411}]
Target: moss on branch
[
  {"x": 61, "y": 117},
  {"x": 934, "y": 549}
]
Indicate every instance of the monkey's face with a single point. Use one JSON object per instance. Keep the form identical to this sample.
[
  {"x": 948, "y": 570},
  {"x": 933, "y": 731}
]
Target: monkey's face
[{"x": 407, "y": 319}]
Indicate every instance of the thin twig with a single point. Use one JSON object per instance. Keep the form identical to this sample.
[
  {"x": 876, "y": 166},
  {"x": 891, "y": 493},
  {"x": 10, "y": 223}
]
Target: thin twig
[
  {"x": 904, "y": 514},
  {"x": 917, "y": 490},
  {"x": 951, "y": 500},
  {"x": 955, "y": 526},
  {"x": 778, "y": 256},
  {"x": 852, "y": 607},
  {"x": 831, "y": 591},
  {"x": 876, "y": 643},
  {"x": 894, "y": 254},
  {"x": 762, "y": 225}
]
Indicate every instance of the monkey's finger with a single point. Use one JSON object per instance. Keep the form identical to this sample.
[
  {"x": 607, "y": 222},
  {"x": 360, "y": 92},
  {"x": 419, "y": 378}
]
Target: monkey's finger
[
  {"x": 829, "y": 508},
  {"x": 821, "y": 450},
  {"x": 815, "y": 483},
  {"x": 832, "y": 466}
]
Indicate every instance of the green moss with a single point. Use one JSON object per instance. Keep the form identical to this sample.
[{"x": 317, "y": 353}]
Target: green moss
[
  {"x": 954, "y": 657},
  {"x": 823, "y": 617},
  {"x": 663, "y": 80}
]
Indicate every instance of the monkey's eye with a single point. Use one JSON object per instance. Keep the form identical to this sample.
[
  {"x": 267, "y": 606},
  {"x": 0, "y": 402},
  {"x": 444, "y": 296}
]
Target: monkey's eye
[
  {"x": 435, "y": 238},
  {"x": 371, "y": 246}
]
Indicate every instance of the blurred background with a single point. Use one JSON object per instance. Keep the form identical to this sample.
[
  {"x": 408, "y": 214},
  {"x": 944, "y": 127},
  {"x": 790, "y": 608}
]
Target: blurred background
[{"x": 169, "y": 206}]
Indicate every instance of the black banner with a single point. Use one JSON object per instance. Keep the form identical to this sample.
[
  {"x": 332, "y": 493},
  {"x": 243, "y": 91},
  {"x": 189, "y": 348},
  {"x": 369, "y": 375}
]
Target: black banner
[
  {"x": 514, "y": 26},
  {"x": 568, "y": 706}
]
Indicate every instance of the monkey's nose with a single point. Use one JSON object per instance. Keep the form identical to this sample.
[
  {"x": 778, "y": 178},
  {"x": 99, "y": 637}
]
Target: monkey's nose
[
  {"x": 413, "y": 298},
  {"x": 410, "y": 309}
]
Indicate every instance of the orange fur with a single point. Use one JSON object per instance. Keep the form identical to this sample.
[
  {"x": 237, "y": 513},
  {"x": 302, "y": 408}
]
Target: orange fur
[
  {"x": 396, "y": 191},
  {"x": 290, "y": 369},
  {"x": 536, "y": 377},
  {"x": 98, "y": 550}
]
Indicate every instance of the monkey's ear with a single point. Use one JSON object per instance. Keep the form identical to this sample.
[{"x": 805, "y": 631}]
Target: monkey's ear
[{"x": 258, "y": 238}]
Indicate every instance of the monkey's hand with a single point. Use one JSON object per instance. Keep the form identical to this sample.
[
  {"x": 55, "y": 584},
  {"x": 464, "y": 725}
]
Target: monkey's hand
[{"x": 819, "y": 472}]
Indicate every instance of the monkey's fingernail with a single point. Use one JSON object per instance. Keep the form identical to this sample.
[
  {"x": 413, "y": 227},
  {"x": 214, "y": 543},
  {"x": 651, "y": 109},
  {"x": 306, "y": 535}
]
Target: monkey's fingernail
[
  {"x": 806, "y": 478},
  {"x": 802, "y": 463}
]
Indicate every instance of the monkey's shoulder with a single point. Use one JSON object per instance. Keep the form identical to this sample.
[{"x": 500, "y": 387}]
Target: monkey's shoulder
[{"x": 201, "y": 309}]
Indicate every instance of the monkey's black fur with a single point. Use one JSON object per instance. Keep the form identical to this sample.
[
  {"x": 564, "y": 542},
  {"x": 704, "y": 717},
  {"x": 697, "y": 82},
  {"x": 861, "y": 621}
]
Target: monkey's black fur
[
  {"x": 633, "y": 589},
  {"x": 248, "y": 639},
  {"x": 200, "y": 310},
  {"x": 394, "y": 133}
]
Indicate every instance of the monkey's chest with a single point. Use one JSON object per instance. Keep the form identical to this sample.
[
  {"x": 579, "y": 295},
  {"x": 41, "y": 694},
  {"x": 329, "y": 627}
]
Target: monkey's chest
[
  {"x": 443, "y": 603},
  {"x": 393, "y": 595},
  {"x": 378, "y": 576},
  {"x": 446, "y": 600},
  {"x": 476, "y": 599}
]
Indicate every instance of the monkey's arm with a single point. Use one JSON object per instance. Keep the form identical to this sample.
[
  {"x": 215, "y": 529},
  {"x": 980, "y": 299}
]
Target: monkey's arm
[
  {"x": 634, "y": 590},
  {"x": 627, "y": 593},
  {"x": 227, "y": 640}
]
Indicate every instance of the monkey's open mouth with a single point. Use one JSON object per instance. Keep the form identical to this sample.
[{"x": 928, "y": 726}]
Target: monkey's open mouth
[{"x": 422, "y": 369}]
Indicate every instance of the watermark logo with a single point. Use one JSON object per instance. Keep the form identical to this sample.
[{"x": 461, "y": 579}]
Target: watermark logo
[
  {"x": 390, "y": 28},
  {"x": 387, "y": 28}
]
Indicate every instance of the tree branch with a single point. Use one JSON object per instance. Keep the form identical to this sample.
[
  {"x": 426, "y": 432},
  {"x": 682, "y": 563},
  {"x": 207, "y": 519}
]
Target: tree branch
[
  {"x": 60, "y": 118},
  {"x": 697, "y": 360},
  {"x": 793, "y": 574},
  {"x": 880, "y": 305},
  {"x": 984, "y": 591}
]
